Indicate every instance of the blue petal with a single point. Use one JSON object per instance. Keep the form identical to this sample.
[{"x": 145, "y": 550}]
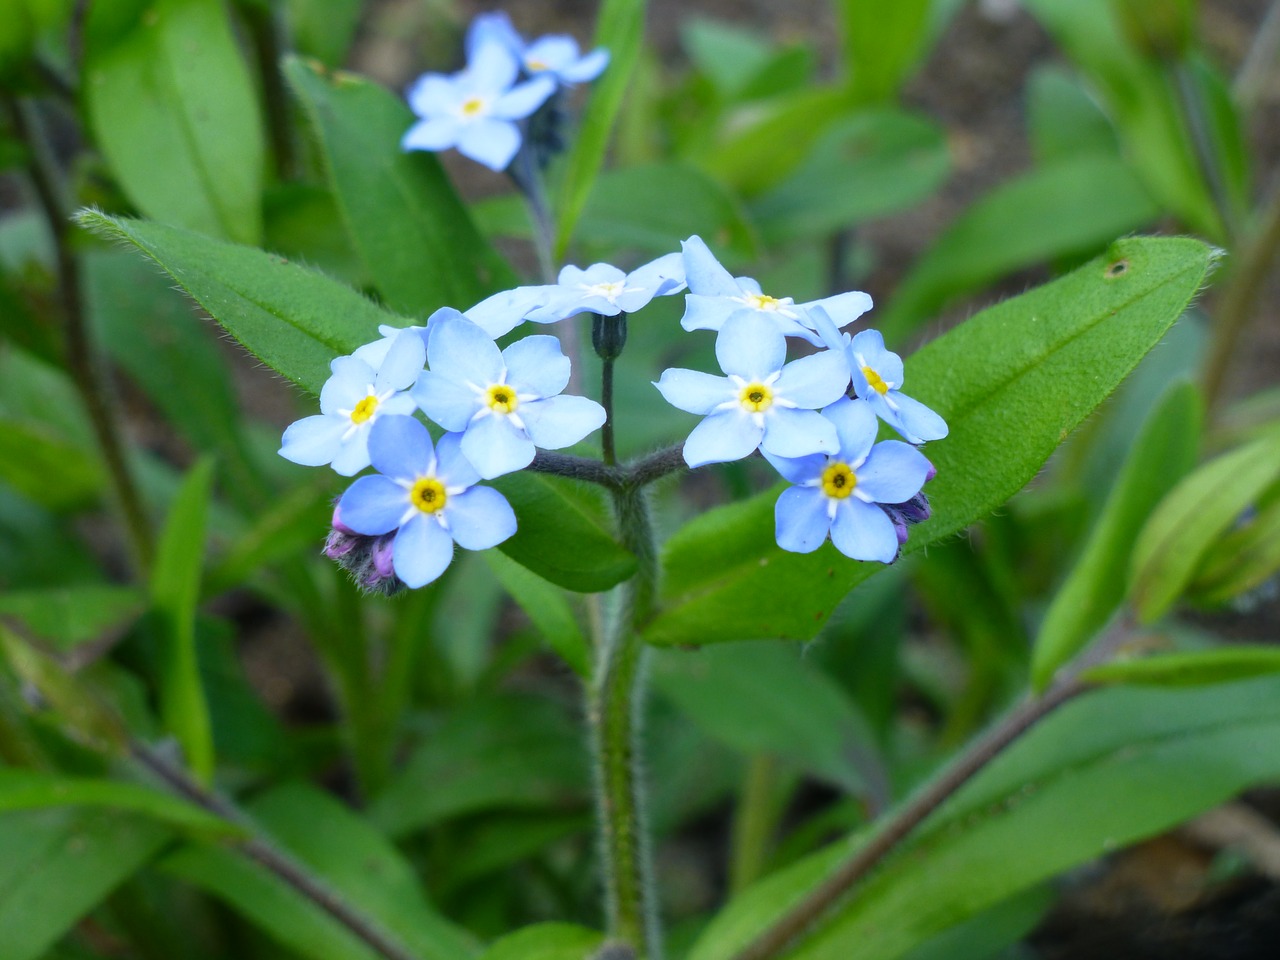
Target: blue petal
[
  {"x": 444, "y": 401},
  {"x": 721, "y": 438},
  {"x": 797, "y": 433},
  {"x": 348, "y": 386},
  {"x": 800, "y": 519},
  {"x": 433, "y": 94},
  {"x": 571, "y": 276},
  {"x": 495, "y": 446},
  {"x": 524, "y": 99},
  {"x": 422, "y": 551},
  {"x": 354, "y": 453},
  {"x": 694, "y": 391},
  {"x": 490, "y": 141},
  {"x": 313, "y": 441},
  {"x": 708, "y": 313},
  {"x": 453, "y": 469},
  {"x": 554, "y": 52},
  {"x": 894, "y": 472},
  {"x": 588, "y": 68},
  {"x": 404, "y": 361},
  {"x": 536, "y": 365},
  {"x": 799, "y": 470},
  {"x": 864, "y": 532},
  {"x": 435, "y": 133},
  {"x": 844, "y": 308},
  {"x": 705, "y": 275},
  {"x": 560, "y": 421},
  {"x": 496, "y": 28},
  {"x": 916, "y": 422},
  {"x": 663, "y": 276},
  {"x": 749, "y": 345},
  {"x": 480, "y": 518},
  {"x": 869, "y": 345},
  {"x": 491, "y": 69},
  {"x": 503, "y": 312},
  {"x": 816, "y": 380},
  {"x": 399, "y": 405},
  {"x": 856, "y": 427},
  {"x": 400, "y": 447},
  {"x": 461, "y": 351},
  {"x": 373, "y": 505}
]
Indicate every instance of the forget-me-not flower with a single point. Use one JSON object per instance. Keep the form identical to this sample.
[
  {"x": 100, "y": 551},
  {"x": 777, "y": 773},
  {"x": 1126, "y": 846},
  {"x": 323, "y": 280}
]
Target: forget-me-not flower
[
  {"x": 760, "y": 403},
  {"x": 351, "y": 401},
  {"x": 504, "y": 402},
  {"x": 840, "y": 494},
  {"x": 877, "y": 375},
  {"x": 556, "y": 55},
  {"x": 475, "y": 110},
  {"x": 715, "y": 295},
  {"x": 606, "y": 290},
  {"x": 428, "y": 496}
]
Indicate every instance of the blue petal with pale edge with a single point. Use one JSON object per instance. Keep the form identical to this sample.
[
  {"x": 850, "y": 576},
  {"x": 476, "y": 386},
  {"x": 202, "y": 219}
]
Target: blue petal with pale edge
[
  {"x": 862, "y": 531},
  {"x": 560, "y": 421},
  {"x": 869, "y": 345},
  {"x": 348, "y": 386},
  {"x": 313, "y": 441},
  {"x": 705, "y": 275},
  {"x": 491, "y": 69},
  {"x": 422, "y": 551},
  {"x": 797, "y": 433},
  {"x": 750, "y": 346},
  {"x": 432, "y": 94},
  {"x": 446, "y": 402},
  {"x": 401, "y": 448},
  {"x": 536, "y": 365},
  {"x": 916, "y": 422},
  {"x": 816, "y": 380},
  {"x": 354, "y": 453},
  {"x": 571, "y": 276},
  {"x": 663, "y": 276},
  {"x": 490, "y": 141},
  {"x": 708, "y": 313},
  {"x": 799, "y": 470},
  {"x": 894, "y": 472},
  {"x": 587, "y": 68},
  {"x": 495, "y": 446},
  {"x": 800, "y": 519},
  {"x": 695, "y": 391},
  {"x": 403, "y": 362},
  {"x": 496, "y": 28},
  {"x": 503, "y": 312},
  {"x": 721, "y": 438},
  {"x": 461, "y": 351},
  {"x": 856, "y": 426},
  {"x": 522, "y": 100},
  {"x": 436, "y": 133},
  {"x": 452, "y": 467},
  {"x": 843, "y": 308},
  {"x": 480, "y": 518},
  {"x": 373, "y": 505}
]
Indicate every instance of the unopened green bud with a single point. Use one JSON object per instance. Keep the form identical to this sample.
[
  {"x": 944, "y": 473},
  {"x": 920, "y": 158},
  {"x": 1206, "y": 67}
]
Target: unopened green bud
[{"x": 609, "y": 335}]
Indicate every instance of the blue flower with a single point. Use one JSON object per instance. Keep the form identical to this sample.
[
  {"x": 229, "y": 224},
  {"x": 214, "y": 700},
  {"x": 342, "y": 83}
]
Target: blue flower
[
  {"x": 505, "y": 403},
  {"x": 761, "y": 403},
  {"x": 475, "y": 110},
  {"x": 715, "y": 296},
  {"x": 557, "y": 56},
  {"x": 877, "y": 374},
  {"x": 428, "y": 497},
  {"x": 351, "y": 401},
  {"x": 841, "y": 495}
]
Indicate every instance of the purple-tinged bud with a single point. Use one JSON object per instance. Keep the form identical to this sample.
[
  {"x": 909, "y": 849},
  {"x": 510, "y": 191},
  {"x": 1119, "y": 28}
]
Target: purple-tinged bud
[
  {"x": 337, "y": 523},
  {"x": 933, "y": 472},
  {"x": 339, "y": 544},
  {"x": 381, "y": 556},
  {"x": 367, "y": 559},
  {"x": 915, "y": 510}
]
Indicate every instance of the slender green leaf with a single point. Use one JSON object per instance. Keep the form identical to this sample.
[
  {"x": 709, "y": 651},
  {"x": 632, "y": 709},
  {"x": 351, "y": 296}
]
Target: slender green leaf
[
  {"x": 546, "y": 941},
  {"x": 1012, "y": 382},
  {"x": 882, "y": 42},
  {"x": 1195, "y": 516},
  {"x": 1063, "y": 120},
  {"x": 1242, "y": 560},
  {"x": 66, "y": 617},
  {"x": 547, "y": 608},
  {"x": 172, "y": 105},
  {"x": 415, "y": 237},
  {"x": 1162, "y": 454},
  {"x": 1189, "y": 669}
]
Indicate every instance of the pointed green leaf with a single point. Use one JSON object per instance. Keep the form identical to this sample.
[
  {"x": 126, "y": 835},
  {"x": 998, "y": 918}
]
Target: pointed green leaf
[
  {"x": 1012, "y": 383},
  {"x": 1241, "y": 561},
  {"x": 546, "y": 606},
  {"x": 1188, "y": 669},
  {"x": 66, "y": 617}
]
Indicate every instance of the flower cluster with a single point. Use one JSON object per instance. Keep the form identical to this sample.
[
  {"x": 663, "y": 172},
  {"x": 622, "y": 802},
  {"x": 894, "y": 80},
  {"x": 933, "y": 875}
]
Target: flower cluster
[{"x": 486, "y": 110}]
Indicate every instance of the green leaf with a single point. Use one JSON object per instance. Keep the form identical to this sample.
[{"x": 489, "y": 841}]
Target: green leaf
[
  {"x": 1188, "y": 669},
  {"x": 294, "y": 320},
  {"x": 323, "y": 29},
  {"x": 730, "y": 56},
  {"x": 172, "y": 105},
  {"x": 620, "y": 30},
  {"x": 57, "y": 865},
  {"x": 1063, "y": 120},
  {"x": 564, "y": 533},
  {"x": 882, "y": 43},
  {"x": 1072, "y": 207},
  {"x": 1012, "y": 382},
  {"x": 44, "y": 467},
  {"x": 415, "y": 237},
  {"x": 763, "y": 698},
  {"x": 347, "y": 855},
  {"x": 175, "y": 591},
  {"x": 866, "y": 166},
  {"x": 67, "y": 617},
  {"x": 1242, "y": 560},
  {"x": 547, "y": 608},
  {"x": 287, "y": 527},
  {"x": 546, "y": 941},
  {"x": 500, "y": 753},
  {"x": 1162, "y": 454},
  {"x": 1061, "y": 796},
  {"x": 32, "y": 789},
  {"x": 1193, "y": 518}
]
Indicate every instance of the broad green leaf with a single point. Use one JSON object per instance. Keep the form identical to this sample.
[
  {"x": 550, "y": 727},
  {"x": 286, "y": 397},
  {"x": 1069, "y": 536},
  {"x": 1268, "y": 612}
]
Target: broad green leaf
[
  {"x": 546, "y": 941},
  {"x": 56, "y": 865},
  {"x": 1190, "y": 668},
  {"x": 505, "y": 753},
  {"x": 294, "y": 320},
  {"x": 763, "y": 698},
  {"x": 992, "y": 934},
  {"x": 730, "y": 56},
  {"x": 1193, "y": 518},
  {"x": 346, "y": 854},
  {"x": 1105, "y": 771},
  {"x": 175, "y": 592},
  {"x": 1066, "y": 209},
  {"x": 172, "y": 105},
  {"x": 1162, "y": 454},
  {"x": 867, "y": 166},
  {"x": 1012, "y": 382},
  {"x": 1063, "y": 120},
  {"x": 620, "y": 30},
  {"x": 44, "y": 467},
  {"x": 1242, "y": 560},
  {"x": 66, "y": 617},
  {"x": 882, "y": 42},
  {"x": 32, "y": 789},
  {"x": 547, "y": 608},
  {"x": 564, "y": 533},
  {"x": 414, "y": 235}
]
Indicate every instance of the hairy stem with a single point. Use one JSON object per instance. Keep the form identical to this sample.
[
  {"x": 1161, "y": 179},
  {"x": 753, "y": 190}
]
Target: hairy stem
[
  {"x": 83, "y": 362},
  {"x": 262, "y": 850},
  {"x": 754, "y": 822}
]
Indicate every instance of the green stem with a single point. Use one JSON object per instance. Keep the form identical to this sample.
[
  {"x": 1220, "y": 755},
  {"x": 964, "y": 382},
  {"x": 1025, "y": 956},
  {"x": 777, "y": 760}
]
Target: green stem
[
  {"x": 606, "y": 401},
  {"x": 753, "y": 826},
  {"x": 616, "y": 701}
]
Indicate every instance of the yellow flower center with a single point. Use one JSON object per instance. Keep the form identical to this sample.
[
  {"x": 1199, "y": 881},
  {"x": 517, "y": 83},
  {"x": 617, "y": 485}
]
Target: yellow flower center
[
  {"x": 428, "y": 495},
  {"x": 473, "y": 106},
  {"x": 501, "y": 398},
  {"x": 756, "y": 397},
  {"x": 838, "y": 481},
  {"x": 608, "y": 289},
  {"x": 763, "y": 301},
  {"x": 535, "y": 66},
  {"x": 365, "y": 409},
  {"x": 875, "y": 381}
]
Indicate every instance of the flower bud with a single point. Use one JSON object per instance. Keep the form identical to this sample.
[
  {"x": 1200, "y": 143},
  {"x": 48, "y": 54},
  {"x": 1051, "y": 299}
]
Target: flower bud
[
  {"x": 366, "y": 559},
  {"x": 609, "y": 335}
]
